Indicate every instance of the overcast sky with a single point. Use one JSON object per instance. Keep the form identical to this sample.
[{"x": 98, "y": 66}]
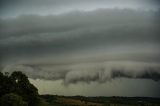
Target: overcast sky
[
  {"x": 68, "y": 47},
  {"x": 11, "y": 8}
]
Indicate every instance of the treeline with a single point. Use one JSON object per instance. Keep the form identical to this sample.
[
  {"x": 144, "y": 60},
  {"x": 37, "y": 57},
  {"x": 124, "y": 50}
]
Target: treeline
[{"x": 16, "y": 90}]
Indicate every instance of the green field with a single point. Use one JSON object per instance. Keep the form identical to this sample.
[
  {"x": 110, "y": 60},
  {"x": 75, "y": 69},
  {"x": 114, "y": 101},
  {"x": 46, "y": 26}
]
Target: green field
[{"x": 54, "y": 100}]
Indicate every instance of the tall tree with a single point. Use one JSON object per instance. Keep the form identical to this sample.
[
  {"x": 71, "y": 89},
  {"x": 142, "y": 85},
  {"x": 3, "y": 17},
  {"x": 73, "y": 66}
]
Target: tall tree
[
  {"x": 19, "y": 84},
  {"x": 24, "y": 88}
]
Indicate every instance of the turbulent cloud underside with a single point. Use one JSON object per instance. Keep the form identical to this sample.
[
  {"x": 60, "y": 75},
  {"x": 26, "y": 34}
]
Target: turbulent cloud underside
[{"x": 83, "y": 46}]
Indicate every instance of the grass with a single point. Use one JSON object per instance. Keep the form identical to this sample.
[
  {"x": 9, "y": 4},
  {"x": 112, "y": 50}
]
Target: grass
[
  {"x": 54, "y": 100},
  {"x": 73, "y": 102}
]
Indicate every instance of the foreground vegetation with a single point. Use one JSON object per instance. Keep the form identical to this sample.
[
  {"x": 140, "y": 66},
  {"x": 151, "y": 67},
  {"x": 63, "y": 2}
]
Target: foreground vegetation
[{"x": 16, "y": 90}]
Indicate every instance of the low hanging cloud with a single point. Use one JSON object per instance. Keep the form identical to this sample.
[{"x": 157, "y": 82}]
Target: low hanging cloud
[
  {"x": 99, "y": 46},
  {"x": 91, "y": 72}
]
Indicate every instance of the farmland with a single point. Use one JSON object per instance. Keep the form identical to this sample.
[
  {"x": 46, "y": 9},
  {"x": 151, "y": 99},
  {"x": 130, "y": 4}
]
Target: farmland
[{"x": 55, "y": 100}]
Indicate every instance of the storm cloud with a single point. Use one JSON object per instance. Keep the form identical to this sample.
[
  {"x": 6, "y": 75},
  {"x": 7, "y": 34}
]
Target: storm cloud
[
  {"x": 89, "y": 72},
  {"x": 69, "y": 47},
  {"x": 80, "y": 46}
]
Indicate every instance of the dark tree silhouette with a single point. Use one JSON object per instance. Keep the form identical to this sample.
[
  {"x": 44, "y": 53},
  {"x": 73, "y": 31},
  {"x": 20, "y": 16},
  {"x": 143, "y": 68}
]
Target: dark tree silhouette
[
  {"x": 19, "y": 84},
  {"x": 6, "y": 85}
]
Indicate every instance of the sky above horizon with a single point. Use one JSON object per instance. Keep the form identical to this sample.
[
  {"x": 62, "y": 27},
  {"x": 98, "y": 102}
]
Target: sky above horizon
[
  {"x": 12, "y": 8},
  {"x": 68, "y": 47}
]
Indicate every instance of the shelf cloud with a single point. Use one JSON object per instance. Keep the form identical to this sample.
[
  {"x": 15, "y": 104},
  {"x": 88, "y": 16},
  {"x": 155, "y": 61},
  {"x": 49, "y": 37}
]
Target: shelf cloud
[
  {"x": 90, "y": 72},
  {"x": 100, "y": 45},
  {"x": 67, "y": 47}
]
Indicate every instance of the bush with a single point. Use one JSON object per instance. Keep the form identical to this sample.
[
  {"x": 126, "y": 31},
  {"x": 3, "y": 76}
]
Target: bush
[{"x": 12, "y": 99}]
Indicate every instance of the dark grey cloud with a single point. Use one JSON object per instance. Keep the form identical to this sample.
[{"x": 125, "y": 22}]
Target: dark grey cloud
[
  {"x": 29, "y": 35},
  {"x": 83, "y": 41},
  {"x": 83, "y": 46}
]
